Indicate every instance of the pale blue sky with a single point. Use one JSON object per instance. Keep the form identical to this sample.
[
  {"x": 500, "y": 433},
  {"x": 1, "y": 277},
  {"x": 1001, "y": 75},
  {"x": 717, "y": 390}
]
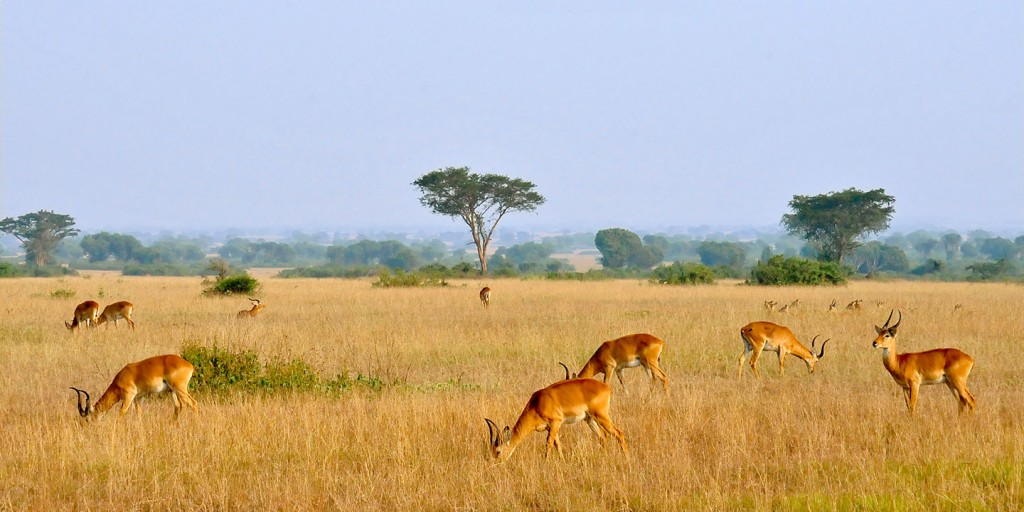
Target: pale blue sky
[{"x": 187, "y": 115}]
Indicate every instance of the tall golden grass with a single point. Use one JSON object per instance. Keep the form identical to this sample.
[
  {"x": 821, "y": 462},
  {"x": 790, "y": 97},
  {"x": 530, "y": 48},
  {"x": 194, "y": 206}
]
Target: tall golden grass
[{"x": 839, "y": 439}]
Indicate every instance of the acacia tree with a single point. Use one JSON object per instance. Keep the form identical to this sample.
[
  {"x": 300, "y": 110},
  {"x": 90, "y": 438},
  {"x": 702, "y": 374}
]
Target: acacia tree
[
  {"x": 39, "y": 233},
  {"x": 479, "y": 200},
  {"x": 834, "y": 222}
]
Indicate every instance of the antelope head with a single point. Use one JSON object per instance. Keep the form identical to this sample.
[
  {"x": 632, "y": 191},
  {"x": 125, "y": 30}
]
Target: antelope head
[{"x": 85, "y": 410}]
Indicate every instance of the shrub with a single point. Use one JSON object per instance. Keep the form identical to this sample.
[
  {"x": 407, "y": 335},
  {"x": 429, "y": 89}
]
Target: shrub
[
  {"x": 779, "y": 270},
  {"x": 62, "y": 293},
  {"x": 243, "y": 283},
  {"x": 402, "y": 279},
  {"x": 682, "y": 273}
]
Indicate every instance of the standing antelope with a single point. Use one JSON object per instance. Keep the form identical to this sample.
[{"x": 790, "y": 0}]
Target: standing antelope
[
  {"x": 760, "y": 336},
  {"x": 116, "y": 311},
  {"x": 912, "y": 369},
  {"x": 154, "y": 375},
  {"x": 485, "y": 296},
  {"x": 566, "y": 401},
  {"x": 832, "y": 307},
  {"x": 627, "y": 352},
  {"x": 253, "y": 311},
  {"x": 769, "y": 305},
  {"x": 86, "y": 313}
]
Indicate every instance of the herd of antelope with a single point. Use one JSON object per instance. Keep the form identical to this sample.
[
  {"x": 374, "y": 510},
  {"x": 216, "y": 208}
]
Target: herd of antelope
[
  {"x": 579, "y": 396},
  {"x": 166, "y": 373}
]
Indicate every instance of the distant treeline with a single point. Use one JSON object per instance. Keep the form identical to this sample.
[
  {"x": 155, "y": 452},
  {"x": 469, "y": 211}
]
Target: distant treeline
[{"x": 976, "y": 255}]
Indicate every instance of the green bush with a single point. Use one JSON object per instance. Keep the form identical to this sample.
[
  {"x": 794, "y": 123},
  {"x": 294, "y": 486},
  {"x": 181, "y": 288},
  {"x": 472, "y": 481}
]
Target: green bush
[
  {"x": 243, "y": 283},
  {"x": 219, "y": 370},
  {"x": 62, "y": 293},
  {"x": 779, "y": 270},
  {"x": 682, "y": 273},
  {"x": 402, "y": 279}
]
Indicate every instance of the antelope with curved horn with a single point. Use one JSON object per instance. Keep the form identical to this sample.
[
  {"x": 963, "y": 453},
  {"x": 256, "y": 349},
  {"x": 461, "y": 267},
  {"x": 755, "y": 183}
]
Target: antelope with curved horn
[
  {"x": 832, "y": 308},
  {"x": 116, "y": 311},
  {"x": 157, "y": 374},
  {"x": 485, "y": 296},
  {"x": 257, "y": 306},
  {"x": 761, "y": 336},
  {"x": 628, "y": 351},
  {"x": 910, "y": 370},
  {"x": 86, "y": 313},
  {"x": 564, "y": 402},
  {"x": 769, "y": 305}
]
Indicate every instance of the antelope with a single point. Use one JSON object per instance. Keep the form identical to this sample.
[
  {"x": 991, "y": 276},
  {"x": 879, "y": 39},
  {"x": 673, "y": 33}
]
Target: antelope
[
  {"x": 116, "y": 311},
  {"x": 86, "y": 313},
  {"x": 769, "y": 305},
  {"x": 485, "y": 296},
  {"x": 253, "y": 311},
  {"x": 855, "y": 305},
  {"x": 153, "y": 375},
  {"x": 794, "y": 304},
  {"x": 832, "y": 307},
  {"x": 627, "y": 352},
  {"x": 912, "y": 369},
  {"x": 760, "y": 336},
  {"x": 958, "y": 306},
  {"x": 784, "y": 308},
  {"x": 879, "y": 304},
  {"x": 566, "y": 401}
]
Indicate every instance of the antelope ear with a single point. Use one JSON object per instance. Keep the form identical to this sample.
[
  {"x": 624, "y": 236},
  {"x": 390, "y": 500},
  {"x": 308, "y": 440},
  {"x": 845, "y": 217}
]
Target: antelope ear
[
  {"x": 506, "y": 435},
  {"x": 878, "y": 329},
  {"x": 892, "y": 331}
]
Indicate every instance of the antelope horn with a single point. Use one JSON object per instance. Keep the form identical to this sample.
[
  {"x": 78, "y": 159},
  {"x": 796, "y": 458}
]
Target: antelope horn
[
  {"x": 897, "y": 321},
  {"x": 886, "y": 325},
  {"x": 566, "y": 370},
  {"x": 492, "y": 431},
  {"x": 822, "y": 354},
  {"x": 83, "y": 412},
  {"x": 813, "y": 340},
  {"x": 257, "y": 301}
]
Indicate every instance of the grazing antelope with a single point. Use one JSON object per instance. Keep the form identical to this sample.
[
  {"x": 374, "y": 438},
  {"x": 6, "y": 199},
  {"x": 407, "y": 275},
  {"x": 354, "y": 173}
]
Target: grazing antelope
[
  {"x": 912, "y": 369},
  {"x": 86, "y": 313},
  {"x": 855, "y": 305},
  {"x": 627, "y": 352},
  {"x": 760, "y": 336},
  {"x": 153, "y": 375},
  {"x": 832, "y": 308},
  {"x": 769, "y": 305},
  {"x": 116, "y": 311},
  {"x": 253, "y": 311},
  {"x": 566, "y": 401},
  {"x": 485, "y": 296}
]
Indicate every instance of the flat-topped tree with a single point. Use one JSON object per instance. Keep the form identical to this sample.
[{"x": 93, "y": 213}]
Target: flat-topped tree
[
  {"x": 39, "y": 233},
  {"x": 480, "y": 200},
  {"x": 835, "y": 222}
]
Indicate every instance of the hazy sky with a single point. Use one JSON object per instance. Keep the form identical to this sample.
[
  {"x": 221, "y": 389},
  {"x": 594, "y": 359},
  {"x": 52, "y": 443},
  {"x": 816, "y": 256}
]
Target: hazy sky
[{"x": 187, "y": 115}]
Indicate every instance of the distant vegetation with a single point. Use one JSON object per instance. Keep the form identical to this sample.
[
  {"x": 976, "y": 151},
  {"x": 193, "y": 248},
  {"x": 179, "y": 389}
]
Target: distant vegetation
[{"x": 662, "y": 258}]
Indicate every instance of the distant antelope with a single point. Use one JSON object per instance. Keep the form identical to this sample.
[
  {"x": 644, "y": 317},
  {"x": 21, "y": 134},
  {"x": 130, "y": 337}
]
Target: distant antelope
[
  {"x": 958, "y": 307},
  {"x": 86, "y": 313},
  {"x": 832, "y": 307},
  {"x": 855, "y": 305},
  {"x": 485, "y": 296},
  {"x": 253, "y": 311},
  {"x": 879, "y": 304},
  {"x": 910, "y": 370},
  {"x": 769, "y": 305},
  {"x": 794, "y": 304},
  {"x": 784, "y": 308},
  {"x": 117, "y": 311}
]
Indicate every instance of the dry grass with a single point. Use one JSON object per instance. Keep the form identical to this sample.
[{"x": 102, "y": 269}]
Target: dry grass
[{"x": 836, "y": 440}]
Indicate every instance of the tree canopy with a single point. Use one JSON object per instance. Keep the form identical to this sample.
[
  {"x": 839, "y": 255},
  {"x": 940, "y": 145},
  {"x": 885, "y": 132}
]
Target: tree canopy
[
  {"x": 623, "y": 248},
  {"x": 39, "y": 233},
  {"x": 479, "y": 200},
  {"x": 834, "y": 222}
]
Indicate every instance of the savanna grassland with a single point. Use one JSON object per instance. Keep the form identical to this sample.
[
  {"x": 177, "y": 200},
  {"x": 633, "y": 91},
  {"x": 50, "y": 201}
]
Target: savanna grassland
[{"x": 838, "y": 439}]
